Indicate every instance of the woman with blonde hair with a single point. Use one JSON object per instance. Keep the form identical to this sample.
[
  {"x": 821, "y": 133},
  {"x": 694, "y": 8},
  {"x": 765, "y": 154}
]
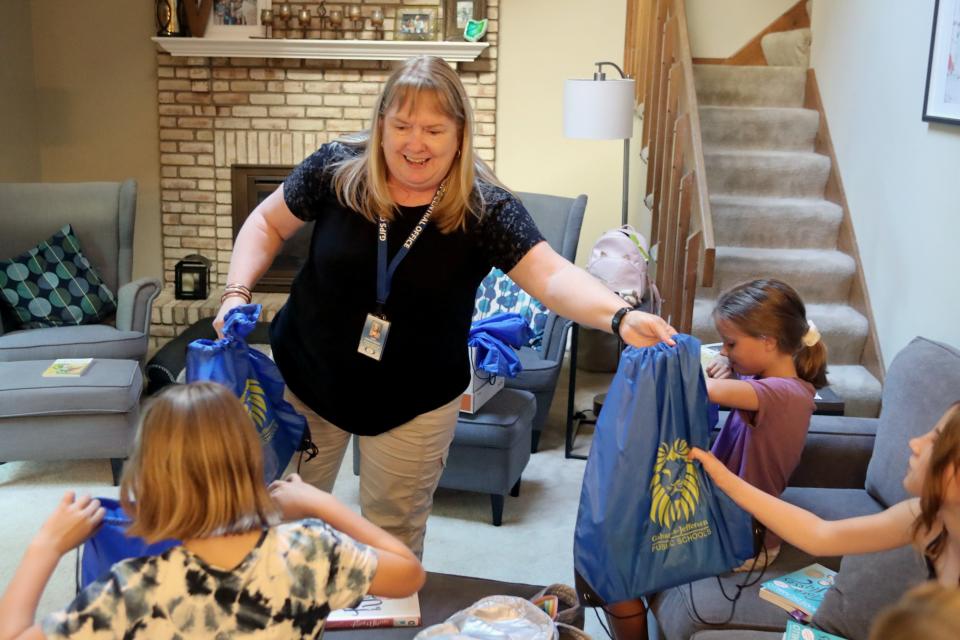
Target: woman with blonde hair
[
  {"x": 407, "y": 222},
  {"x": 196, "y": 474}
]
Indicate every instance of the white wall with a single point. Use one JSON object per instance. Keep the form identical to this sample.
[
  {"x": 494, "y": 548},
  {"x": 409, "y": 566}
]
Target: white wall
[
  {"x": 900, "y": 173},
  {"x": 718, "y": 28},
  {"x": 542, "y": 43}
]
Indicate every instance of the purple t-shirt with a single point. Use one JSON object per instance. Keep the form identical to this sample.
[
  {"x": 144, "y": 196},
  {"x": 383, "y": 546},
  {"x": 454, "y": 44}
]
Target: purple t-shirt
[{"x": 763, "y": 447}]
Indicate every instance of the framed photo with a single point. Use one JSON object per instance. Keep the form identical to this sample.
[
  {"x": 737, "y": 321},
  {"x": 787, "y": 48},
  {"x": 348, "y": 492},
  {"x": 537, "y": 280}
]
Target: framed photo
[
  {"x": 456, "y": 13},
  {"x": 941, "y": 100},
  {"x": 236, "y": 19},
  {"x": 416, "y": 23}
]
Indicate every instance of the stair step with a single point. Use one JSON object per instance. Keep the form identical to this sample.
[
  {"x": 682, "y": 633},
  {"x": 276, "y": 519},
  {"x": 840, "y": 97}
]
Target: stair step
[
  {"x": 798, "y": 223},
  {"x": 771, "y": 128},
  {"x": 745, "y": 86},
  {"x": 787, "y": 174},
  {"x": 819, "y": 276},
  {"x": 843, "y": 329},
  {"x": 859, "y": 389}
]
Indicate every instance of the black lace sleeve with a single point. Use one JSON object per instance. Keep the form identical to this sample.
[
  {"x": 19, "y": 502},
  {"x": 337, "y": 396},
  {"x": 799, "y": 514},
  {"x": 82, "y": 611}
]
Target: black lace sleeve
[
  {"x": 506, "y": 230},
  {"x": 308, "y": 185}
]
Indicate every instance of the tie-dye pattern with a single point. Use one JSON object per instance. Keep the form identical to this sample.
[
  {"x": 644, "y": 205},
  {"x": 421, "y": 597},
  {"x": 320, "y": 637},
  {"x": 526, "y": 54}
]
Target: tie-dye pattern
[{"x": 284, "y": 588}]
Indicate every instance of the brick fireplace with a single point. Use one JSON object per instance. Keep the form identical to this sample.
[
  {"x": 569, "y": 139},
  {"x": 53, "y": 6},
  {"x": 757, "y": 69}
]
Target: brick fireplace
[{"x": 217, "y": 113}]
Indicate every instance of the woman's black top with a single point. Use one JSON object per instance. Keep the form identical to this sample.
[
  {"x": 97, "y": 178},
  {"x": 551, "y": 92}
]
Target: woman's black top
[{"x": 424, "y": 363}]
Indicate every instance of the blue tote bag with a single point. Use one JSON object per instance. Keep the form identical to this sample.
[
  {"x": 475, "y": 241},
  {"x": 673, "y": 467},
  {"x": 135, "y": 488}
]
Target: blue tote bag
[
  {"x": 110, "y": 544},
  {"x": 255, "y": 379},
  {"x": 649, "y": 518}
]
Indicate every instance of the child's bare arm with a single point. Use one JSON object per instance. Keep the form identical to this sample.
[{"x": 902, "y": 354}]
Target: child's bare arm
[
  {"x": 735, "y": 394},
  {"x": 888, "y": 529},
  {"x": 71, "y": 523},
  {"x": 399, "y": 572}
]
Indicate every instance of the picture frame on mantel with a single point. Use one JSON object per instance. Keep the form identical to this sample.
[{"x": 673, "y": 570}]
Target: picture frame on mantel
[
  {"x": 456, "y": 13},
  {"x": 941, "y": 99},
  {"x": 416, "y": 23},
  {"x": 236, "y": 19}
]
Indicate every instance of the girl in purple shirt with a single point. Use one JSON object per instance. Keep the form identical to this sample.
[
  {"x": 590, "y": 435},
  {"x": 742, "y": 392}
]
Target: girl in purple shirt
[{"x": 767, "y": 373}]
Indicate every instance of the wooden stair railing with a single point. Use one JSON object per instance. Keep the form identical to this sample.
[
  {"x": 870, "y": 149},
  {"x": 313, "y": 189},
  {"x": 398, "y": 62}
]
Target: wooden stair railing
[{"x": 657, "y": 54}]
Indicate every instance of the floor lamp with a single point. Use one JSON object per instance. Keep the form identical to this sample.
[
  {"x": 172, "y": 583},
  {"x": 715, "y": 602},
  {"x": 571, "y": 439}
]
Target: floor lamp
[
  {"x": 598, "y": 109},
  {"x": 601, "y": 109}
]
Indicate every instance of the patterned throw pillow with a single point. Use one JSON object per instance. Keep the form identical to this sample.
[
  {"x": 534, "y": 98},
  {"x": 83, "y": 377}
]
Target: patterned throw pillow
[
  {"x": 53, "y": 284},
  {"x": 497, "y": 293}
]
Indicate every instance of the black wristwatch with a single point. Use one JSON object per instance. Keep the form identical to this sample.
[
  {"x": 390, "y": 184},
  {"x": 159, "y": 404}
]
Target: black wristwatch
[{"x": 618, "y": 318}]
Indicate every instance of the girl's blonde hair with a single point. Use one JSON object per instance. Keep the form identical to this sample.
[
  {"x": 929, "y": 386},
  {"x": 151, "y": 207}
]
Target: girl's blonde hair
[
  {"x": 196, "y": 469},
  {"x": 361, "y": 180},
  {"x": 945, "y": 454},
  {"x": 930, "y": 611},
  {"x": 772, "y": 308}
]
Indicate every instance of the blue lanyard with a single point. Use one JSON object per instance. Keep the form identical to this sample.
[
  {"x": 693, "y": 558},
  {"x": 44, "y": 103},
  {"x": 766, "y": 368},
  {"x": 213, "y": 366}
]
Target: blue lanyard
[{"x": 384, "y": 272}]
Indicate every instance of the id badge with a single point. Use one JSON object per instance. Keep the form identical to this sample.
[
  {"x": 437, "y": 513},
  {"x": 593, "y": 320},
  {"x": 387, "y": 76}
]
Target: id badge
[{"x": 374, "y": 336}]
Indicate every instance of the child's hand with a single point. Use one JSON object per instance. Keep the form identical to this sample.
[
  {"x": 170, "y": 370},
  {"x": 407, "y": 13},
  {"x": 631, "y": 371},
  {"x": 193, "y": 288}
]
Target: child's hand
[
  {"x": 714, "y": 468},
  {"x": 719, "y": 367},
  {"x": 296, "y": 498},
  {"x": 71, "y": 523}
]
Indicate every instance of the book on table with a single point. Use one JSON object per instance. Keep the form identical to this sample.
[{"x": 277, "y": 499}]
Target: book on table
[
  {"x": 797, "y": 631},
  {"x": 67, "y": 368},
  {"x": 800, "y": 592},
  {"x": 374, "y": 611}
]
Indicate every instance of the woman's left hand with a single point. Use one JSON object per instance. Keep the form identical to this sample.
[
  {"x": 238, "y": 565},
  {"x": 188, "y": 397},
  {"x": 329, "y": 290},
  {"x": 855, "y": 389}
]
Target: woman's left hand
[{"x": 641, "y": 329}]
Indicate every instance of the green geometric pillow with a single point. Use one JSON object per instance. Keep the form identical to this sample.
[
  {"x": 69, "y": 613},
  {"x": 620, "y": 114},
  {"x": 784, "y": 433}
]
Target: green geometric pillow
[{"x": 53, "y": 285}]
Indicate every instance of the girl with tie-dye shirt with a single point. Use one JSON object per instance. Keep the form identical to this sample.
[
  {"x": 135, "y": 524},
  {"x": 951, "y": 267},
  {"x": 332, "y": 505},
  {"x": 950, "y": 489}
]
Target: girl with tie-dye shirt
[{"x": 196, "y": 474}]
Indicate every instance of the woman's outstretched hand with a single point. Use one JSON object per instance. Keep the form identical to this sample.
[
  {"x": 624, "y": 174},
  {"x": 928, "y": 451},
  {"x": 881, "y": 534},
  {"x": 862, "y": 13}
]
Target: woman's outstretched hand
[
  {"x": 641, "y": 329},
  {"x": 228, "y": 303},
  {"x": 71, "y": 523}
]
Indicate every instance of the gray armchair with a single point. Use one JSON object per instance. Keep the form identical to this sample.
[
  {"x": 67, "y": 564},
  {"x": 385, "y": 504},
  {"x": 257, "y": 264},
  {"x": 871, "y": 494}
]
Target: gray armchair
[
  {"x": 102, "y": 215},
  {"x": 559, "y": 220}
]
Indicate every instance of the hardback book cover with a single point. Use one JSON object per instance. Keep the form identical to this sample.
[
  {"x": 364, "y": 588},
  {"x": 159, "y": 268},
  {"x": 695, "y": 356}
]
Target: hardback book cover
[
  {"x": 374, "y": 611},
  {"x": 801, "y": 591},
  {"x": 67, "y": 368},
  {"x": 797, "y": 631}
]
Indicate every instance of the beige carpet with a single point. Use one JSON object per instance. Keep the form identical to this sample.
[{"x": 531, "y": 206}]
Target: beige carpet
[
  {"x": 534, "y": 544},
  {"x": 770, "y": 217}
]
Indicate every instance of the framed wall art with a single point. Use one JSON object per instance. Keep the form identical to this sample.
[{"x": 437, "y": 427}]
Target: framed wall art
[
  {"x": 236, "y": 19},
  {"x": 941, "y": 100},
  {"x": 456, "y": 14},
  {"x": 416, "y": 23}
]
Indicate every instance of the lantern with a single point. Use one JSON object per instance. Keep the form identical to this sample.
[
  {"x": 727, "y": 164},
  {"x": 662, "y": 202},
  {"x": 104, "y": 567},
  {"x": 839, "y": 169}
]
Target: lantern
[{"x": 192, "y": 278}]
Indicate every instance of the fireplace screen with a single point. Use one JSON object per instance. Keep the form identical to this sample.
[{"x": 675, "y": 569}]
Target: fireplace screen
[{"x": 251, "y": 185}]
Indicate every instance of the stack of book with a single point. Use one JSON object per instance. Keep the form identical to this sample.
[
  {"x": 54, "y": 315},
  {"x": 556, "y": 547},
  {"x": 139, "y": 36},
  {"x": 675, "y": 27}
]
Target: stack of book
[
  {"x": 801, "y": 592},
  {"x": 374, "y": 611}
]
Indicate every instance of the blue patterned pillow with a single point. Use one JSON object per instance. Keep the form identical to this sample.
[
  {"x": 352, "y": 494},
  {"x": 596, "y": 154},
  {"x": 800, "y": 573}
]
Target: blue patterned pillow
[
  {"x": 497, "y": 293},
  {"x": 54, "y": 284}
]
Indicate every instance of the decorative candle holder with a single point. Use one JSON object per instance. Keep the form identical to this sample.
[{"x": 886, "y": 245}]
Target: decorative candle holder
[
  {"x": 285, "y": 12},
  {"x": 303, "y": 19},
  {"x": 354, "y": 15},
  {"x": 266, "y": 19},
  {"x": 336, "y": 23},
  {"x": 376, "y": 21}
]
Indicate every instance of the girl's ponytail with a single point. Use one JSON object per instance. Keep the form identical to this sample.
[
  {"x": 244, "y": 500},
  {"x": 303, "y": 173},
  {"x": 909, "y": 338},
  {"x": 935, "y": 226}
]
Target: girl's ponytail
[{"x": 811, "y": 363}]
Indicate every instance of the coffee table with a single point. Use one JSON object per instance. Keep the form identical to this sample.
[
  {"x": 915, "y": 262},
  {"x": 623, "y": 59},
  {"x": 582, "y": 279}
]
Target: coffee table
[{"x": 441, "y": 597}]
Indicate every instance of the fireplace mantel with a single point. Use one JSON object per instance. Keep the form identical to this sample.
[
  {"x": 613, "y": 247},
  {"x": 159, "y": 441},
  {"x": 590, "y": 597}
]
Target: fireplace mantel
[{"x": 321, "y": 49}]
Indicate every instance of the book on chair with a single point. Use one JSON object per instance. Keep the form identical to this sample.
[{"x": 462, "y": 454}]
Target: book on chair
[
  {"x": 801, "y": 592},
  {"x": 374, "y": 611},
  {"x": 67, "y": 368},
  {"x": 797, "y": 631}
]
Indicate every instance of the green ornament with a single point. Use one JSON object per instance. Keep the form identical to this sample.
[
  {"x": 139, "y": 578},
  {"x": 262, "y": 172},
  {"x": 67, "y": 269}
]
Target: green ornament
[{"x": 475, "y": 30}]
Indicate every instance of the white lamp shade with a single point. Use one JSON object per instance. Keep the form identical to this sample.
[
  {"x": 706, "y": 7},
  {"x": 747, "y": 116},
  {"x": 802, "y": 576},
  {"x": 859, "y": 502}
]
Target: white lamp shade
[{"x": 598, "y": 109}]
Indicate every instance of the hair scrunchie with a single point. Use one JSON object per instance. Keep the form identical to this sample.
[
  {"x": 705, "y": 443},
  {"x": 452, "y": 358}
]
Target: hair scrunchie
[{"x": 812, "y": 336}]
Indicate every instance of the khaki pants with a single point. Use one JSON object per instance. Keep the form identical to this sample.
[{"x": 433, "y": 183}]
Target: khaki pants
[{"x": 399, "y": 469}]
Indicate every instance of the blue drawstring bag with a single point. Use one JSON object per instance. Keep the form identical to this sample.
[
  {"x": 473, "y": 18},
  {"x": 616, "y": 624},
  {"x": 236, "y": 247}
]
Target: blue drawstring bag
[
  {"x": 650, "y": 518},
  {"x": 111, "y": 544},
  {"x": 495, "y": 339},
  {"x": 255, "y": 379}
]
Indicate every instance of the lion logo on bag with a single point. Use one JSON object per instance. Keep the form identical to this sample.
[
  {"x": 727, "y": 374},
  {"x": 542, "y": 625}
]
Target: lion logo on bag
[
  {"x": 674, "y": 486},
  {"x": 255, "y": 400}
]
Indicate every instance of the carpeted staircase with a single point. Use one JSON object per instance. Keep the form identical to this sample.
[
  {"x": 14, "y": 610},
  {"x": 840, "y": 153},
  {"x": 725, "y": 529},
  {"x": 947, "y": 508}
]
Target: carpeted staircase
[{"x": 770, "y": 219}]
